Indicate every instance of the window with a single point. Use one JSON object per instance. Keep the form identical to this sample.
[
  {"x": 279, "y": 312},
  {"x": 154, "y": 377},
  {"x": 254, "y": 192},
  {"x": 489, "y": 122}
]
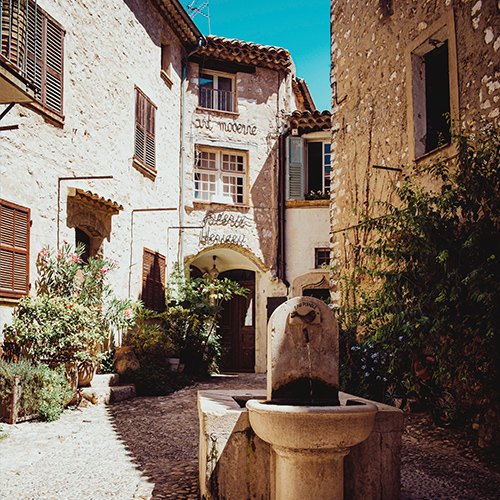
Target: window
[
  {"x": 432, "y": 83},
  {"x": 309, "y": 164},
  {"x": 153, "y": 280},
  {"x": 166, "y": 60},
  {"x": 14, "y": 250},
  {"x": 216, "y": 92},
  {"x": 144, "y": 152},
  {"x": 431, "y": 94},
  {"x": 321, "y": 256},
  {"x": 220, "y": 176},
  {"x": 45, "y": 44}
]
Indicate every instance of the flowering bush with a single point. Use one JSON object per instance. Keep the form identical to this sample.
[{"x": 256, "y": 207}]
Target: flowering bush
[{"x": 74, "y": 311}]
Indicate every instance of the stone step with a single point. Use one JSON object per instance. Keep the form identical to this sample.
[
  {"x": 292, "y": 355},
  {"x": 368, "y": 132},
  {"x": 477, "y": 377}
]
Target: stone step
[
  {"x": 105, "y": 380},
  {"x": 105, "y": 394}
]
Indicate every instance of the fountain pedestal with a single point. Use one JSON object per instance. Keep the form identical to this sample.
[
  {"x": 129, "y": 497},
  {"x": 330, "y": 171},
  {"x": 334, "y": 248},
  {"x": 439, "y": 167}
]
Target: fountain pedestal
[{"x": 297, "y": 473}]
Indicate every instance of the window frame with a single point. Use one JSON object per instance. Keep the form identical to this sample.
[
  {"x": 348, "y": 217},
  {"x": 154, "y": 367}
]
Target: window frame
[
  {"x": 442, "y": 30},
  {"x": 40, "y": 57},
  {"x": 217, "y": 174},
  {"x": 166, "y": 61},
  {"x": 145, "y": 125},
  {"x": 150, "y": 284},
  {"x": 15, "y": 250},
  {"x": 297, "y": 161},
  {"x": 318, "y": 257},
  {"x": 216, "y": 75}
]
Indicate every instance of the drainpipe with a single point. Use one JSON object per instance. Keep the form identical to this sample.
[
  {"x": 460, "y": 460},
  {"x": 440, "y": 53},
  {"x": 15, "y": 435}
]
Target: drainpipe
[{"x": 201, "y": 40}]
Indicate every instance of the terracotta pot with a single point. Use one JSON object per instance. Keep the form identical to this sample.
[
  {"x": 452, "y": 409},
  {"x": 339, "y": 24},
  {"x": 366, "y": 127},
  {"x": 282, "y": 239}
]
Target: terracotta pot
[{"x": 86, "y": 372}]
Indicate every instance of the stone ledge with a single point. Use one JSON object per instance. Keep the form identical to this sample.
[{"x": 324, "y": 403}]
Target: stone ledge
[{"x": 105, "y": 395}]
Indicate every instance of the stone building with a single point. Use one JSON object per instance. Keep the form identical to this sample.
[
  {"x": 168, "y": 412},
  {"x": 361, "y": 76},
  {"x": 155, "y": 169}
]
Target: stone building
[
  {"x": 125, "y": 129},
  {"x": 397, "y": 69}
]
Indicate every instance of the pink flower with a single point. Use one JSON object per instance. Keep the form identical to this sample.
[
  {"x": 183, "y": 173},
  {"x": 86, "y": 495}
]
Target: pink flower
[
  {"x": 65, "y": 242},
  {"x": 128, "y": 312},
  {"x": 59, "y": 255},
  {"x": 105, "y": 269},
  {"x": 75, "y": 258}
]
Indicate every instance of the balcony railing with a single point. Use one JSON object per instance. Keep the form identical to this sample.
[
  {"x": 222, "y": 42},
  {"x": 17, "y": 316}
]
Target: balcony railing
[
  {"x": 18, "y": 18},
  {"x": 222, "y": 100}
]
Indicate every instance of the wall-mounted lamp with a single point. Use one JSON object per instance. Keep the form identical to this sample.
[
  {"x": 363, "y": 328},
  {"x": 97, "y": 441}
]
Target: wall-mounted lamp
[{"x": 214, "y": 272}]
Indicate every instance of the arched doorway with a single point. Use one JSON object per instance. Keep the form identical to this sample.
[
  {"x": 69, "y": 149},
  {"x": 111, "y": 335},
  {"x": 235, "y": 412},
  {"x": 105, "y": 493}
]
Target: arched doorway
[{"x": 237, "y": 325}]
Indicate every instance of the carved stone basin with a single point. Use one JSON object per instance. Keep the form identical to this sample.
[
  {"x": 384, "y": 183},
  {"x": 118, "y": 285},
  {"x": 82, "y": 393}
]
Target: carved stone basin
[
  {"x": 311, "y": 427},
  {"x": 309, "y": 445}
]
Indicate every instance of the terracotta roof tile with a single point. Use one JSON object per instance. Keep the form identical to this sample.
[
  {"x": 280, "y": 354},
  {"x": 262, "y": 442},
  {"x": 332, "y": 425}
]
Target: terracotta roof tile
[
  {"x": 227, "y": 49},
  {"x": 307, "y": 121}
]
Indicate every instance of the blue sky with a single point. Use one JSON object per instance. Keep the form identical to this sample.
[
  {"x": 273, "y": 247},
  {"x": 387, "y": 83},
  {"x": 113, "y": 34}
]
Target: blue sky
[{"x": 300, "y": 26}]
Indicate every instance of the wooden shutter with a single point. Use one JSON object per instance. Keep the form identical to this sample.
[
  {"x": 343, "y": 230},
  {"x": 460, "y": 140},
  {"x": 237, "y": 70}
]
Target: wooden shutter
[
  {"x": 295, "y": 168},
  {"x": 14, "y": 250},
  {"x": 153, "y": 280},
  {"x": 145, "y": 112},
  {"x": 45, "y": 42}
]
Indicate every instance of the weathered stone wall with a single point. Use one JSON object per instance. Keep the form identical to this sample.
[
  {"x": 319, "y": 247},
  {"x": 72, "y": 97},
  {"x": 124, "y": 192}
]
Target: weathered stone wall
[
  {"x": 371, "y": 43},
  {"x": 109, "y": 48}
]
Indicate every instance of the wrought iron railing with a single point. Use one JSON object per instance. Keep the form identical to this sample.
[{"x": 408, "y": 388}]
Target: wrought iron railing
[
  {"x": 222, "y": 100},
  {"x": 15, "y": 16}
]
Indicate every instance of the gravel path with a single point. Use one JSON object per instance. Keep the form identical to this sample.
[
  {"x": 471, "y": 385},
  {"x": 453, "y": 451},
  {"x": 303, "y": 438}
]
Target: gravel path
[{"x": 146, "y": 448}]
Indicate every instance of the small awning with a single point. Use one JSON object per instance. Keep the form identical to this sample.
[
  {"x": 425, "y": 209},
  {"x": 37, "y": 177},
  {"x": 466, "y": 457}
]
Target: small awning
[{"x": 96, "y": 201}]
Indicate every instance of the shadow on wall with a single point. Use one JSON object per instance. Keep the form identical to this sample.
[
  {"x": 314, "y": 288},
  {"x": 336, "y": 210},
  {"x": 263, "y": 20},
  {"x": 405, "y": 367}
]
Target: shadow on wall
[
  {"x": 264, "y": 193},
  {"x": 152, "y": 22}
]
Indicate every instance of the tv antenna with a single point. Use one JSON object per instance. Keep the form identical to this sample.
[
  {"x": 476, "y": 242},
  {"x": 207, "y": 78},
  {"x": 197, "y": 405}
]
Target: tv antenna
[{"x": 201, "y": 7}]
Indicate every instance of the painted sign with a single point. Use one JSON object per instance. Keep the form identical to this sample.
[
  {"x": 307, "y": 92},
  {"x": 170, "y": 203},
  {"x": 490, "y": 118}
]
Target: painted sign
[
  {"x": 225, "y": 126},
  {"x": 222, "y": 219}
]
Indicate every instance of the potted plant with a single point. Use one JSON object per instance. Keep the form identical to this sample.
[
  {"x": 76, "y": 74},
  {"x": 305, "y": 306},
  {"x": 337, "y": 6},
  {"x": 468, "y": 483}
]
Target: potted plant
[{"x": 73, "y": 313}]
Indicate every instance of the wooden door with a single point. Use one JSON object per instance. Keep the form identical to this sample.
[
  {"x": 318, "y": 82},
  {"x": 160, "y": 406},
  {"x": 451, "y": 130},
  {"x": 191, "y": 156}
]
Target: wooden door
[{"x": 237, "y": 326}]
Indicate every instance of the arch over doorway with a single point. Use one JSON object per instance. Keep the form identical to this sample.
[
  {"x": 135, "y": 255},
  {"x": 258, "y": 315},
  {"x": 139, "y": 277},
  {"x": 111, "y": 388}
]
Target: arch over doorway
[{"x": 238, "y": 322}]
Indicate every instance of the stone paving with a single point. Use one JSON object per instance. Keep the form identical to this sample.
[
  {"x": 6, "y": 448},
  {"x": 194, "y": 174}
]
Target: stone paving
[{"x": 146, "y": 448}]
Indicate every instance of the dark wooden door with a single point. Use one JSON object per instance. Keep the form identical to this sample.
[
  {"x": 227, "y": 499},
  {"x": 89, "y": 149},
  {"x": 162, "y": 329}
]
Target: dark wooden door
[{"x": 237, "y": 326}]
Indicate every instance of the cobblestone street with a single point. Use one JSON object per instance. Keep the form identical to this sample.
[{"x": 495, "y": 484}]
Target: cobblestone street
[{"x": 146, "y": 448}]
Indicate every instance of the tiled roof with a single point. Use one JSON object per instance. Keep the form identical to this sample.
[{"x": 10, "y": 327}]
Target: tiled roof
[
  {"x": 95, "y": 200},
  {"x": 179, "y": 21},
  {"x": 307, "y": 121},
  {"x": 265, "y": 56},
  {"x": 302, "y": 93}
]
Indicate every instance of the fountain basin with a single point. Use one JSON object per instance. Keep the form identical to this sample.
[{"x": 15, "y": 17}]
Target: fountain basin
[
  {"x": 311, "y": 427},
  {"x": 309, "y": 444}
]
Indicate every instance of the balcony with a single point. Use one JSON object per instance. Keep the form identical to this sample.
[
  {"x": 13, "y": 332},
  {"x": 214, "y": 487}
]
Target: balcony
[
  {"x": 16, "y": 86},
  {"x": 221, "y": 100}
]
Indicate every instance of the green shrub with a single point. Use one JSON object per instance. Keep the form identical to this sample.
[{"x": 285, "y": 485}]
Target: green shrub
[
  {"x": 43, "y": 391},
  {"x": 154, "y": 378}
]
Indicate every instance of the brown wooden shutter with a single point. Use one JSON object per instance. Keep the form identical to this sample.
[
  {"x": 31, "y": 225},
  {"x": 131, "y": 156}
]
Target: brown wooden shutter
[
  {"x": 153, "y": 280},
  {"x": 45, "y": 40},
  {"x": 14, "y": 250},
  {"x": 145, "y": 112}
]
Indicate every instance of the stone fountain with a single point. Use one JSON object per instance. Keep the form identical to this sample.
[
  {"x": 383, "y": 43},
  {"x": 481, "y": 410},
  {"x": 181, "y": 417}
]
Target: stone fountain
[
  {"x": 301, "y": 438},
  {"x": 302, "y": 419}
]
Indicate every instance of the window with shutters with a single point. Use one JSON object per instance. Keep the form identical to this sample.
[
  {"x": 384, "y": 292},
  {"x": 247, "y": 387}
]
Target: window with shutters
[
  {"x": 433, "y": 91},
  {"x": 153, "y": 280},
  {"x": 308, "y": 169},
  {"x": 14, "y": 250},
  {"x": 44, "y": 65},
  {"x": 144, "y": 147},
  {"x": 220, "y": 176}
]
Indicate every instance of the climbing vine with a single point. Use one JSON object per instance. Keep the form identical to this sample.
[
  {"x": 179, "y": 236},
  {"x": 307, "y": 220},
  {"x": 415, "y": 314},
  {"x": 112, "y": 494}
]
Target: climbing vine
[{"x": 429, "y": 277}]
